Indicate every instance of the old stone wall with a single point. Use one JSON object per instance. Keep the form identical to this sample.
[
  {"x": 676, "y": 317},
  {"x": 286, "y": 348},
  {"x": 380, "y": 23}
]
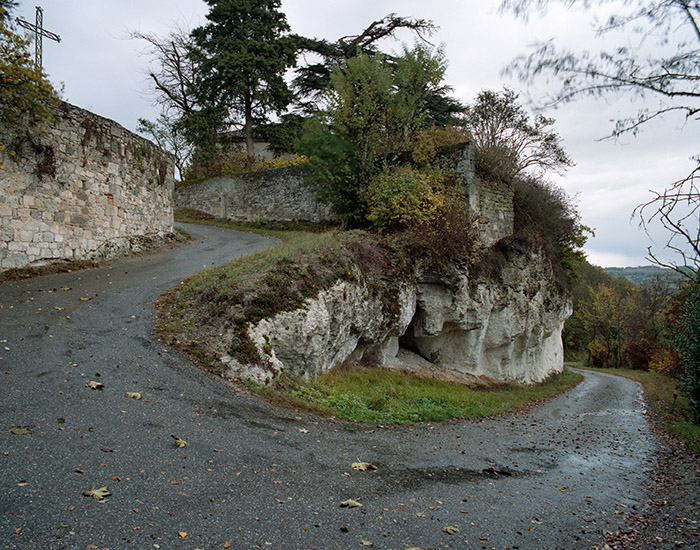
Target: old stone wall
[
  {"x": 282, "y": 195},
  {"x": 273, "y": 195},
  {"x": 77, "y": 188},
  {"x": 490, "y": 200}
]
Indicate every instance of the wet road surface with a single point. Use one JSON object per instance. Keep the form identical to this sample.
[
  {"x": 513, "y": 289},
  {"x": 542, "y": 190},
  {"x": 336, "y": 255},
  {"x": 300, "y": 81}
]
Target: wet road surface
[{"x": 252, "y": 476}]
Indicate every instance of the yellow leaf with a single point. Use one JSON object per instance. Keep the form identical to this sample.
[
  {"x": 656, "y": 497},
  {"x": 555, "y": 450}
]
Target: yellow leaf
[
  {"x": 303, "y": 430},
  {"x": 98, "y": 494},
  {"x": 350, "y": 504},
  {"x": 450, "y": 530},
  {"x": 179, "y": 442},
  {"x": 367, "y": 543},
  {"x": 182, "y": 534},
  {"x": 363, "y": 466},
  {"x": 94, "y": 385},
  {"x": 133, "y": 395}
]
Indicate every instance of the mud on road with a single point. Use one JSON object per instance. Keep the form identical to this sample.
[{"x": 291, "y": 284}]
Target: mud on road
[{"x": 562, "y": 475}]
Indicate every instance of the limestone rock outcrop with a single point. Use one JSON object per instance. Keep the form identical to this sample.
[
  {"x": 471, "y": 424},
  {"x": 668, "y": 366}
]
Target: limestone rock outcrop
[{"x": 506, "y": 327}]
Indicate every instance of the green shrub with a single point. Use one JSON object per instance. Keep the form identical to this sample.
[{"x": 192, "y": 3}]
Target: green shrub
[
  {"x": 401, "y": 196},
  {"x": 546, "y": 216},
  {"x": 688, "y": 342}
]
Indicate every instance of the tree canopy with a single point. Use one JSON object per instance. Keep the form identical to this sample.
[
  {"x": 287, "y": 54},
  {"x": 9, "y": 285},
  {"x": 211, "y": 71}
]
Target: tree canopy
[
  {"x": 372, "y": 110},
  {"x": 507, "y": 141},
  {"x": 240, "y": 57}
]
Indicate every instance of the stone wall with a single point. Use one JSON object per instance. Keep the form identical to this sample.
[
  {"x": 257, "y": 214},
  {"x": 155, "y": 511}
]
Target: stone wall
[
  {"x": 273, "y": 195},
  {"x": 82, "y": 185},
  {"x": 282, "y": 195},
  {"x": 490, "y": 200}
]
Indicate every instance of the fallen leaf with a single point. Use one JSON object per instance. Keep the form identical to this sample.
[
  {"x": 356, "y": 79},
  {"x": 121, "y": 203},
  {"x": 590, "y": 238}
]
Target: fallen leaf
[
  {"x": 133, "y": 395},
  {"x": 98, "y": 494},
  {"x": 179, "y": 442},
  {"x": 182, "y": 534},
  {"x": 350, "y": 504},
  {"x": 363, "y": 466},
  {"x": 303, "y": 430},
  {"x": 18, "y": 431},
  {"x": 450, "y": 530},
  {"x": 227, "y": 544},
  {"x": 94, "y": 385},
  {"x": 92, "y": 547},
  {"x": 66, "y": 288},
  {"x": 367, "y": 543},
  {"x": 18, "y": 530},
  {"x": 60, "y": 420},
  {"x": 79, "y": 471}
]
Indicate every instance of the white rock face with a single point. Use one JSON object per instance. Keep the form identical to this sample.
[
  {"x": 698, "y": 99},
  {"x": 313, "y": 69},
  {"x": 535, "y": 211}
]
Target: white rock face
[
  {"x": 509, "y": 332},
  {"x": 507, "y": 329}
]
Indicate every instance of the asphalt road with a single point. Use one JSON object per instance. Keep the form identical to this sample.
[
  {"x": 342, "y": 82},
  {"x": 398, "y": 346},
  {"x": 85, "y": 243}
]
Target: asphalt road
[{"x": 253, "y": 476}]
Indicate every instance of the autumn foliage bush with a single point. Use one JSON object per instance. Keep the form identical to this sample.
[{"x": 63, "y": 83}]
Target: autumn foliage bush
[
  {"x": 450, "y": 234},
  {"x": 402, "y": 195}
]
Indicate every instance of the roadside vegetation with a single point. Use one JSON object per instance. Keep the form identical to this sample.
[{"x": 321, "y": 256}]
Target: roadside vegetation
[{"x": 386, "y": 396}]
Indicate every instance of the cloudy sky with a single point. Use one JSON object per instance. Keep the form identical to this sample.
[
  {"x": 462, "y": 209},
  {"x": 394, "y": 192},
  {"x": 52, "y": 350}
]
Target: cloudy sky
[{"x": 101, "y": 69}]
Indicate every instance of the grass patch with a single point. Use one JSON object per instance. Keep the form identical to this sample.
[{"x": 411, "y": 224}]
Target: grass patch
[
  {"x": 389, "y": 397},
  {"x": 659, "y": 390},
  {"x": 208, "y": 314}
]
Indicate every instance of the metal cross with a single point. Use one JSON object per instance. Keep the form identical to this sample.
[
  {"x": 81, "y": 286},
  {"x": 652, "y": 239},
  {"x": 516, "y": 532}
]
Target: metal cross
[{"x": 39, "y": 32}]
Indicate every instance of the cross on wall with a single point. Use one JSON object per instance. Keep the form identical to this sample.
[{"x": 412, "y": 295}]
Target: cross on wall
[{"x": 39, "y": 32}]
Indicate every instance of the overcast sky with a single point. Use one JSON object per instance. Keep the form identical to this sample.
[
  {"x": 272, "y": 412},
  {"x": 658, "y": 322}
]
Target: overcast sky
[{"x": 102, "y": 70}]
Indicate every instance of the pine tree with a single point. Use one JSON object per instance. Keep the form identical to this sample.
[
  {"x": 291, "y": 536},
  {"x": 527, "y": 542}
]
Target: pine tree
[{"x": 241, "y": 55}]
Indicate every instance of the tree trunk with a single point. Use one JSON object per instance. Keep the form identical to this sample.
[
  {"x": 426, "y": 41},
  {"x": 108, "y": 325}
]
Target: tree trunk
[{"x": 248, "y": 128}]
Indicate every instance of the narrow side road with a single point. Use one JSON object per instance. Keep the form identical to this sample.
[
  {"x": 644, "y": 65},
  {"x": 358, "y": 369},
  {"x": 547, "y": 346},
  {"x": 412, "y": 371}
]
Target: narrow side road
[{"x": 252, "y": 476}]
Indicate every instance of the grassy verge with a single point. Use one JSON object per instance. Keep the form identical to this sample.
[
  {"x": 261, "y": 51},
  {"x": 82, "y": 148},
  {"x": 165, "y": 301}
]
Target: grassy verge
[
  {"x": 659, "y": 391},
  {"x": 207, "y": 316},
  {"x": 389, "y": 397}
]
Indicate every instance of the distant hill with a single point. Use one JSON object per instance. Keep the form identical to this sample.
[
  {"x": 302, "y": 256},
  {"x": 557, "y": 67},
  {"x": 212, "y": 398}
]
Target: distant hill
[{"x": 644, "y": 275}]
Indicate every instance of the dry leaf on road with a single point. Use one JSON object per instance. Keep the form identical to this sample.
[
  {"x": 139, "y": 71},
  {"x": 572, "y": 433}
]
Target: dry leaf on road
[
  {"x": 350, "y": 504},
  {"x": 98, "y": 494},
  {"x": 451, "y": 530},
  {"x": 363, "y": 466},
  {"x": 179, "y": 442},
  {"x": 133, "y": 395},
  {"x": 94, "y": 385}
]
